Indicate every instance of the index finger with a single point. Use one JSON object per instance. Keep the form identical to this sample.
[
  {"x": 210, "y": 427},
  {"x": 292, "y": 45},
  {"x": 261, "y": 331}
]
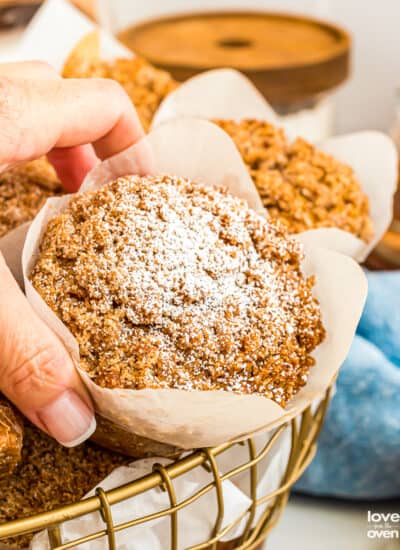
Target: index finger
[{"x": 39, "y": 115}]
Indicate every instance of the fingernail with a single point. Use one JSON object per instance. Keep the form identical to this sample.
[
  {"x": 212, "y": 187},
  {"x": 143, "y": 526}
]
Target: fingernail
[{"x": 68, "y": 419}]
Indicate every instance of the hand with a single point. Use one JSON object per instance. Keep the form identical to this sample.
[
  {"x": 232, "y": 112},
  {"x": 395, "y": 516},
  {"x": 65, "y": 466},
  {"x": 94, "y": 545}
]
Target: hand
[{"x": 41, "y": 113}]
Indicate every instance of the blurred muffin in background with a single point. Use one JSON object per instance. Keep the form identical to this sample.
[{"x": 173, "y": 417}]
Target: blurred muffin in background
[{"x": 300, "y": 185}]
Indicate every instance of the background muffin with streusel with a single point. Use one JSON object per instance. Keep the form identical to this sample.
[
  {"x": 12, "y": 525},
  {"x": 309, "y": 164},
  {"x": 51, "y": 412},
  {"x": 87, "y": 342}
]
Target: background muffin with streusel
[{"x": 301, "y": 186}]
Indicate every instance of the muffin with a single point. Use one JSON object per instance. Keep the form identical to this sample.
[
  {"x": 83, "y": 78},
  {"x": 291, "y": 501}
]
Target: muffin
[
  {"x": 301, "y": 186},
  {"x": 167, "y": 283},
  {"x": 23, "y": 191},
  {"x": 145, "y": 85},
  {"x": 11, "y": 434},
  {"x": 50, "y": 475}
]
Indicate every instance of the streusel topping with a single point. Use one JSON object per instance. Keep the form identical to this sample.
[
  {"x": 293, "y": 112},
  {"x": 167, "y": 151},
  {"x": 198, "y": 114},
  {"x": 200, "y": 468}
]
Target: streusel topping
[
  {"x": 167, "y": 283},
  {"x": 301, "y": 186}
]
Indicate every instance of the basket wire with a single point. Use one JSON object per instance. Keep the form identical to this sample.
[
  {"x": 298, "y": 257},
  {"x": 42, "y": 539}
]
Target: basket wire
[{"x": 304, "y": 433}]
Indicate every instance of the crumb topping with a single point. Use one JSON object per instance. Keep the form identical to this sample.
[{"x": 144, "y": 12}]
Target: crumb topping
[
  {"x": 300, "y": 185},
  {"x": 23, "y": 191},
  {"x": 146, "y": 85},
  {"x": 167, "y": 283}
]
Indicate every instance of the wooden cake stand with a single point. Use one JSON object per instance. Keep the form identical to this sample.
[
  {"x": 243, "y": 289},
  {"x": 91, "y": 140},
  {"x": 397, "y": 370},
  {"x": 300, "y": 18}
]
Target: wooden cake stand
[{"x": 289, "y": 58}]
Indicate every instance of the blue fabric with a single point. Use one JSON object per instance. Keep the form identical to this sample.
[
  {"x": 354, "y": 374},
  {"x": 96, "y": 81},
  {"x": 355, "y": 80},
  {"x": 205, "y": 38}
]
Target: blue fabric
[{"x": 359, "y": 447}]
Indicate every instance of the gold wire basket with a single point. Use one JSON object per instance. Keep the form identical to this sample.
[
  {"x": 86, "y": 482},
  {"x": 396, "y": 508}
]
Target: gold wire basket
[{"x": 304, "y": 433}]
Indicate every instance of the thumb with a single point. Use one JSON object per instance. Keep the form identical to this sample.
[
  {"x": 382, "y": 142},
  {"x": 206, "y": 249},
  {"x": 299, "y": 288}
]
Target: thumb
[{"x": 37, "y": 373}]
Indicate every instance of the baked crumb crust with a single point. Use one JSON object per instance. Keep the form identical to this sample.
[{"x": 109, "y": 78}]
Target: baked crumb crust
[
  {"x": 301, "y": 186},
  {"x": 166, "y": 283}
]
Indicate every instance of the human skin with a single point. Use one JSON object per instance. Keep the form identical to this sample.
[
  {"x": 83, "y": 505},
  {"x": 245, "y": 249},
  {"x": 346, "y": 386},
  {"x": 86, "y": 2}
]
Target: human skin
[{"x": 76, "y": 123}]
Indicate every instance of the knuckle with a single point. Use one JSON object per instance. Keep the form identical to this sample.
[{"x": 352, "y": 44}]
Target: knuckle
[{"x": 36, "y": 371}]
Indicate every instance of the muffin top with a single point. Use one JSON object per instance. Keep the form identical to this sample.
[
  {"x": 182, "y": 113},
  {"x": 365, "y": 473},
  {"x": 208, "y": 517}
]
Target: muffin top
[
  {"x": 23, "y": 191},
  {"x": 301, "y": 186},
  {"x": 168, "y": 283}
]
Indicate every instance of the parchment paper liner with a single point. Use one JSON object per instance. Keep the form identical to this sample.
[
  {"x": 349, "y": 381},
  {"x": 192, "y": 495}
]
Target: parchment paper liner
[
  {"x": 227, "y": 94},
  {"x": 55, "y": 30},
  {"x": 201, "y": 151}
]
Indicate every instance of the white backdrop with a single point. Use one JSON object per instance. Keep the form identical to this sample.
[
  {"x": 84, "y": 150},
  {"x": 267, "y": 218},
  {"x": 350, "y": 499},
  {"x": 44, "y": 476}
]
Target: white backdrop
[{"x": 368, "y": 99}]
